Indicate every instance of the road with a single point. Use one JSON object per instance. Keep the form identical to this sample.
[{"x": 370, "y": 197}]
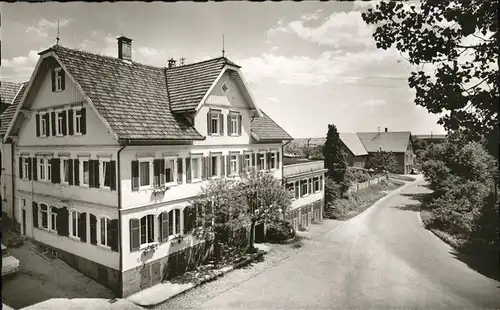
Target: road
[{"x": 381, "y": 259}]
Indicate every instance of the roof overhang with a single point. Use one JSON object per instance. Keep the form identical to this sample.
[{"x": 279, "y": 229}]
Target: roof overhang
[{"x": 158, "y": 141}]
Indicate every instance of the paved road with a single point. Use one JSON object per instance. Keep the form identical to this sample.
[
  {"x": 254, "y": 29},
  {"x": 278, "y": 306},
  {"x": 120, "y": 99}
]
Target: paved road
[{"x": 381, "y": 259}]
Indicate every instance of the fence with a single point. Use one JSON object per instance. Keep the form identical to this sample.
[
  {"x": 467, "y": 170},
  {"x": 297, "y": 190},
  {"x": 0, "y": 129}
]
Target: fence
[{"x": 356, "y": 187}]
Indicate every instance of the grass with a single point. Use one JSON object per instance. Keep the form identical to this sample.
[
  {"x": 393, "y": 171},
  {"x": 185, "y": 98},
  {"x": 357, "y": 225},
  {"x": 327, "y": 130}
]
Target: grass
[{"x": 354, "y": 204}]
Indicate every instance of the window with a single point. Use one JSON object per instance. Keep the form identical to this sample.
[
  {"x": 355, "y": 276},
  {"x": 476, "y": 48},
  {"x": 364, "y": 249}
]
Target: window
[
  {"x": 78, "y": 122},
  {"x": 44, "y": 216},
  {"x": 59, "y": 79},
  {"x": 147, "y": 229},
  {"x": 248, "y": 160},
  {"x": 178, "y": 221},
  {"x": 215, "y": 166},
  {"x": 144, "y": 173},
  {"x": 261, "y": 161},
  {"x": 316, "y": 184},
  {"x": 272, "y": 160},
  {"x": 214, "y": 121},
  {"x": 60, "y": 123},
  {"x": 53, "y": 218},
  {"x": 104, "y": 227},
  {"x": 174, "y": 222},
  {"x": 303, "y": 188},
  {"x": 290, "y": 187},
  {"x": 43, "y": 124},
  {"x": 234, "y": 124},
  {"x": 23, "y": 202},
  {"x": 65, "y": 171},
  {"x": 26, "y": 168},
  {"x": 297, "y": 190},
  {"x": 106, "y": 174},
  {"x": 86, "y": 171},
  {"x": 75, "y": 215},
  {"x": 234, "y": 164},
  {"x": 170, "y": 171},
  {"x": 48, "y": 166},
  {"x": 196, "y": 168},
  {"x": 44, "y": 169},
  {"x": 225, "y": 88}
]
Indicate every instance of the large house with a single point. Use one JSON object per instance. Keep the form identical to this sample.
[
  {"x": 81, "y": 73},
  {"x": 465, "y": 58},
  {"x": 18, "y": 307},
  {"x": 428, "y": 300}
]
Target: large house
[
  {"x": 360, "y": 146},
  {"x": 103, "y": 155}
]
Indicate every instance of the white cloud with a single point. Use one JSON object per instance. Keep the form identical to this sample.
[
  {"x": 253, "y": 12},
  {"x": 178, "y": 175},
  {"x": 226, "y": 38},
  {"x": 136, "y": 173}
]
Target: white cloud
[
  {"x": 312, "y": 16},
  {"x": 364, "y": 5},
  {"x": 44, "y": 26},
  {"x": 373, "y": 103},
  {"x": 273, "y": 100},
  {"x": 19, "y": 68}
]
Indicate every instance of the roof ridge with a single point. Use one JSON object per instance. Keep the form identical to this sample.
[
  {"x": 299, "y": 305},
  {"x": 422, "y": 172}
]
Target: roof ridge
[{"x": 195, "y": 63}]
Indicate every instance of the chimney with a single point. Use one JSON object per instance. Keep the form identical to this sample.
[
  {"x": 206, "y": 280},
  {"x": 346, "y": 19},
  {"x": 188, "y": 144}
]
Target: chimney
[
  {"x": 124, "y": 48},
  {"x": 171, "y": 63},
  {"x": 385, "y": 129}
]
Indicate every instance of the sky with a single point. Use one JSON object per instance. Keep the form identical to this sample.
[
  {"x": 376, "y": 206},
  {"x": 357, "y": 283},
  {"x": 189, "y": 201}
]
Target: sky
[{"x": 308, "y": 64}]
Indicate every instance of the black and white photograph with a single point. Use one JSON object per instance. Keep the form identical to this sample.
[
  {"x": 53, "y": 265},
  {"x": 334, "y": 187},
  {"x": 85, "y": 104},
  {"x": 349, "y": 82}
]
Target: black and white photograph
[{"x": 250, "y": 155}]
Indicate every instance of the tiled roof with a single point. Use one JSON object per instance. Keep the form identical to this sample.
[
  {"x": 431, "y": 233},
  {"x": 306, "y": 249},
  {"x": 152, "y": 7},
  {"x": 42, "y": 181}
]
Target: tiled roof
[
  {"x": 131, "y": 97},
  {"x": 353, "y": 143},
  {"x": 395, "y": 141},
  {"x": 189, "y": 83},
  {"x": 8, "y": 91},
  {"x": 8, "y": 114},
  {"x": 264, "y": 128}
]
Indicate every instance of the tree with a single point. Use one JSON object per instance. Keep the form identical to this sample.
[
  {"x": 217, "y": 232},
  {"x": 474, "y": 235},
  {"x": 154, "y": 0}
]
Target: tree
[
  {"x": 266, "y": 198},
  {"x": 335, "y": 157},
  {"x": 460, "y": 40},
  {"x": 220, "y": 210},
  {"x": 383, "y": 161},
  {"x": 306, "y": 150}
]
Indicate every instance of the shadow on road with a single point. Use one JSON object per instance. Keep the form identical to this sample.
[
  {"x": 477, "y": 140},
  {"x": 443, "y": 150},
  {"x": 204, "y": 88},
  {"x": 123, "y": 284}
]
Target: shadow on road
[{"x": 479, "y": 263}]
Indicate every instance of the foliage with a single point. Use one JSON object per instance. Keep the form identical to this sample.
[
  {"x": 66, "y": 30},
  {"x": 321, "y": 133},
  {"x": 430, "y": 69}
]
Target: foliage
[
  {"x": 266, "y": 198},
  {"x": 280, "y": 231},
  {"x": 382, "y": 161},
  {"x": 333, "y": 190},
  {"x": 459, "y": 40},
  {"x": 305, "y": 150},
  {"x": 335, "y": 158},
  {"x": 356, "y": 176}
]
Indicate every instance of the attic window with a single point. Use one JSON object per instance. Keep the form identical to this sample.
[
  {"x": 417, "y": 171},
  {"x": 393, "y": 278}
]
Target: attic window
[
  {"x": 58, "y": 80},
  {"x": 225, "y": 88}
]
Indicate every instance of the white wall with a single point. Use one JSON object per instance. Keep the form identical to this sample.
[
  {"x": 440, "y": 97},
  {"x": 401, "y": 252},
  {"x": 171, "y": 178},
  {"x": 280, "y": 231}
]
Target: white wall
[{"x": 6, "y": 180}]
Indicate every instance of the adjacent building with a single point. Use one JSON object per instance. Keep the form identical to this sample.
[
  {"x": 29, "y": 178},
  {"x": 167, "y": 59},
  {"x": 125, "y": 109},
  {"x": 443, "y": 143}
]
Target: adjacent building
[
  {"x": 354, "y": 149},
  {"x": 102, "y": 156}
]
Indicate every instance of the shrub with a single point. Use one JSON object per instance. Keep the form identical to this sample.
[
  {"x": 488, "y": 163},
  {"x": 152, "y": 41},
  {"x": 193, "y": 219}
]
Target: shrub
[
  {"x": 280, "y": 231},
  {"x": 356, "y": 176}
]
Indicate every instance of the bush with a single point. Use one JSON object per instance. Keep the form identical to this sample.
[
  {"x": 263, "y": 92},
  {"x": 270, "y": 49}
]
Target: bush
[
  {"x": 356, "y": 176},
  {"x": 280, "y": 231}
]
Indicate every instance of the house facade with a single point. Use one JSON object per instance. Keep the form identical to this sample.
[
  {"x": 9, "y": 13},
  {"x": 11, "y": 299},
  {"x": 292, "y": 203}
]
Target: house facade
[
  {"x": 354, "y": 149},
  {"x": 108, "y": 153},
  {"x": 306, "y": 180}
]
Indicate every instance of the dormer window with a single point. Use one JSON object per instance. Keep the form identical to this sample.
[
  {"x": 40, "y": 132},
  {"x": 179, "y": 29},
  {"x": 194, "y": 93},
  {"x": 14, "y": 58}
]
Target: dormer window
[
  {"x": 58, "y": 80},
  {"x": 225, "y": 88}
]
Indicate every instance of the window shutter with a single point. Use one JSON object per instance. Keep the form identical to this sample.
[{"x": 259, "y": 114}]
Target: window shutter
[
  {"x": 53, "y": 122},
  {"x": 30, "y": 168},
  {"x": 162, "y": 171},
  {"x": 38, "y": 125},
  {"x": 187, "y": 220},
  {"x": 53, "y": 78},
  {"x": 321, "y": 182},
  {"x": 91, "y": 174},
  {"x": 135, "y": 175},
  {"x": 188, "y": 170},
  {"x": 113, "y": 176},
  {"x": 241, "y": 159},
  {"x": 179, "y": 170},
  {"x": 156, "y": 171},
  {"x": 278, "y": 160},
  {"x": 63, "y": 79},
  {"x": 82, "y": 227},
  {"x": 268, "y": 161},
  {"x": 228, "y": 164},
  {"x": 93, "y": 229},
  {"x": 83, "y": 119},
  {"x": 62, "y": 222},
  {"x": 47, "y": 124},
  {"x": 239, "y": 124},
  {"x": 209, "y": 122},
  {"x": 70, "y": 122},
  {"x": 253, "y": 156},
  {"x": 221, "y": 124},
  {"x": 20, "y": 167},
  {"x": 204, "y": 168},
  {"x": 229, "y": 130},
  {"x": 35, "y": 214},
  {"x": 97, "y": 179},
  {"x": 113, "y": 235},
  {"x": 64, "y": 117},
  {"x": 222, "y": 165},
  {"x": 164, "y": 226},
  {"x": 134, "y": 234},
  {"x": 70, "y": 170},
  {"x": 76, "y": 166},
  {"x": 56, "y": 170},
  {"x": 34, "y": 169}
]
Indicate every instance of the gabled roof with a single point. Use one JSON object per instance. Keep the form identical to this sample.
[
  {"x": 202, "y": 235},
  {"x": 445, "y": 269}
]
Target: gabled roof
[
  {"x": 264, "y": 128},
  {"x": 8, "y": 114},
  {"x": 8, "y": 91},
  {"x": 131, "y": 97},
  {"x": 353, "y": 143},
  {"x": 188, "y": 84},
  {"x": 393, "y": 141}
]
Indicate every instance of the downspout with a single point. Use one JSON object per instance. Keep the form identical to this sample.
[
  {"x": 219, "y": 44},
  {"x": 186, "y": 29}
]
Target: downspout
[
  {"x": 119, "y": 191},
  {"x": 13, "y": 181}
]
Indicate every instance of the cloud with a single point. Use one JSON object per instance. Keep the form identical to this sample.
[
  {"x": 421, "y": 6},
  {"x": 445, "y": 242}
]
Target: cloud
[
  {"x": 274, "y": 49},
  {"x": 273, "y": 100},
  {"x": 364, "y": 5},
  {"x": 19, "y": 68},
  {"x": 373, "y": 103},
  {"x": 44, "y": 26},
  {"x": 312, "y": 16}
]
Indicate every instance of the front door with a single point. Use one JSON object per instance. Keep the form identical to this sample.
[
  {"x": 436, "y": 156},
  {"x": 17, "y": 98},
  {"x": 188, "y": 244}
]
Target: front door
[{"x": 24, "y": 222}]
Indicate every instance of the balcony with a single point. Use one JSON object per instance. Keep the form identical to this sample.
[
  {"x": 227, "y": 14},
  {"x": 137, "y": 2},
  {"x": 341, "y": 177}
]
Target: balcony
[{"x": 301, "y": 167}]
